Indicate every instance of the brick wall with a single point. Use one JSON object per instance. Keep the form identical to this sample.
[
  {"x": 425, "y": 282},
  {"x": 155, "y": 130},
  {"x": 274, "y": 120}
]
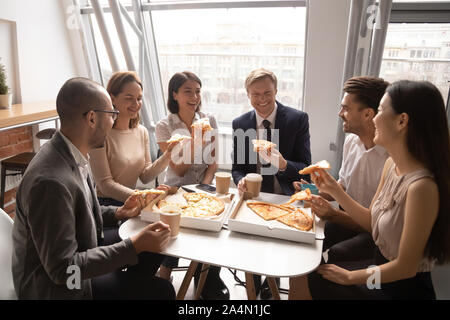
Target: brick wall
[{"x": 12, "y": 142}]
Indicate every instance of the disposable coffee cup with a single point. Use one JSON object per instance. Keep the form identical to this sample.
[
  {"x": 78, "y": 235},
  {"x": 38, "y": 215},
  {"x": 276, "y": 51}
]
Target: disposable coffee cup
[
  {"x": 223, "y": 182},
  {"x": 170, "y": 215},
  {"x": 253, "y": 182}
]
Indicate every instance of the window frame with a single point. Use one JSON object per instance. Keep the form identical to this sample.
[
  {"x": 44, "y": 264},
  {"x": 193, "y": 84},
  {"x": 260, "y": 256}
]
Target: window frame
[
  {"x": 155, "y": 63},
  {"x": 422, "y": 12}
]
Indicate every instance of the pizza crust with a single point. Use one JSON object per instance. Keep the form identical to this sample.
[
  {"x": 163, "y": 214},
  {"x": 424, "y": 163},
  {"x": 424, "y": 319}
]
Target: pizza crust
[
  {"x": 178, "y": 138},
  {"x": 300, "y": 196},
  {"x": 263, "y": 145},
  {"x": 324, "y": 164},
  {"x": 202, "y": 124}
]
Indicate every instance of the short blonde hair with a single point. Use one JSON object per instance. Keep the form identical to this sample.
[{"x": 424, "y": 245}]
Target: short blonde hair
[{"x": 259, "y": 74}]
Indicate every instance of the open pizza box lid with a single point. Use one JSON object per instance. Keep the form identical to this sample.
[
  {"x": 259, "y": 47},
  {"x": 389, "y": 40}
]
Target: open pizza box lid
[
  {"x": 244, "y": 220},
  {"x": 175, "y": 195}
]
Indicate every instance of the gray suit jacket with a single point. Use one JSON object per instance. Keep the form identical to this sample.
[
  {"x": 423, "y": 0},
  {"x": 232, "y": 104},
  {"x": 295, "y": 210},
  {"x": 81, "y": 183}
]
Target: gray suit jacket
[{"x": 55, "y": 228}]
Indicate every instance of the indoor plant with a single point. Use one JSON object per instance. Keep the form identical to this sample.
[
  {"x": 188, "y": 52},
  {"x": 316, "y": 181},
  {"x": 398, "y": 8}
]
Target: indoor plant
[{"x": 5, "y": 96}]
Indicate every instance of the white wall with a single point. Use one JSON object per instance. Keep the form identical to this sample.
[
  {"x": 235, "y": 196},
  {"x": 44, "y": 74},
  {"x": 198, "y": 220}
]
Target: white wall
[
  {"x": 325, "y": 51},
  {"x": 45, "y": 56}
]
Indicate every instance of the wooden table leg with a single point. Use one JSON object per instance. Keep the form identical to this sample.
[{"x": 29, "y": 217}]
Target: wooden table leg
[
  {"x": 250, "y": 286},
  {"x": 273, "y": 288},
  {"x": 201, "y": 281},
  {"x": 187, "y": 280}
]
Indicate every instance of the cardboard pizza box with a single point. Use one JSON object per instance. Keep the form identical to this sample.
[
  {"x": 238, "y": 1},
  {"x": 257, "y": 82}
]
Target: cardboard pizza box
[
  {"x": 151, "y": 212},
  {"x": 244, "y": 220}
]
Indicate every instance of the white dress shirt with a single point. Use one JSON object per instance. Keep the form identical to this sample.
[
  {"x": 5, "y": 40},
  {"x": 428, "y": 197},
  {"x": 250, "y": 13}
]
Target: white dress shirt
[
  {"x": 260, "y": 132},
  {"x": 83, "y": 167},
  {"x": 361, "y": 169}
]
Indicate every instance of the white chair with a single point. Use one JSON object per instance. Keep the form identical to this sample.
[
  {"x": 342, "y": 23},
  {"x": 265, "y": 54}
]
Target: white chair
[
  {"x": 7, "y": 291},
  {"x": 441, "y": 281}
]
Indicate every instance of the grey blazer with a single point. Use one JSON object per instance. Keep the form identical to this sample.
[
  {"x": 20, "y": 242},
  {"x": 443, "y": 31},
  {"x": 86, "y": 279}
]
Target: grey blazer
[{"x": 55, "y": 228}]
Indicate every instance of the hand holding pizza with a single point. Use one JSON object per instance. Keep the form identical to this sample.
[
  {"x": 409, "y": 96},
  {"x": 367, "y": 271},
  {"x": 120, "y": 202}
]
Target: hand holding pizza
[
  {"x": 325, "y": 182},
  {"x": 131, "y": 208},
  {"x": 322, "y": 208},
  {"x": 274, "y": 157}
]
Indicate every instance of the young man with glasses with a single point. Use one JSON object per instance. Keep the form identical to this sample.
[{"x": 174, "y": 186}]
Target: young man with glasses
[{"x": 59, "y": 248}]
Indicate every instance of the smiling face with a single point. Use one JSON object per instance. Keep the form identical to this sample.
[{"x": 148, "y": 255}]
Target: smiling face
[
  {"x": 129, "y": 100},
  {"x": 104, "y": 121},
  {"x": 387, "y": 123},
  {"x": 262, "y": 95},
  {"x": 353, "y": 114},
  {"x": 188, "y": 96}
]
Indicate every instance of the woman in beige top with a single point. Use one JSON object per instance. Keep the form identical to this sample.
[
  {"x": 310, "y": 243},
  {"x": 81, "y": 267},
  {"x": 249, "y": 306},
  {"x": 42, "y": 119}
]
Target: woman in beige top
[
  {"x": 125, "y": 157},
  {"x": 409, "y": 217}
]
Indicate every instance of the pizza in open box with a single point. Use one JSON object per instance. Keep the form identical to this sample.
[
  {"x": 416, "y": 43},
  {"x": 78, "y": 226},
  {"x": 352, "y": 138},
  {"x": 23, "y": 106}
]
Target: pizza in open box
[
  {"x": 198, "y": 205},
  {"x": 268, "y": 211},
  {"x": 298, "y": 220}
]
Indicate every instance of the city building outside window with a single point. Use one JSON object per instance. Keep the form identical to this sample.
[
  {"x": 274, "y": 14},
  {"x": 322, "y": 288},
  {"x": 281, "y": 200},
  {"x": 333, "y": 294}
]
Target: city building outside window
[{"x": 423, "y": 53}]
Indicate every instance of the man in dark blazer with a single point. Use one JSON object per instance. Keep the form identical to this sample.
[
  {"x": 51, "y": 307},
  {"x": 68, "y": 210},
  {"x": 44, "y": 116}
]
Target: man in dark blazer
[
  {"x": 289, "y": 129},
  {"x": 59, "y": 248}
]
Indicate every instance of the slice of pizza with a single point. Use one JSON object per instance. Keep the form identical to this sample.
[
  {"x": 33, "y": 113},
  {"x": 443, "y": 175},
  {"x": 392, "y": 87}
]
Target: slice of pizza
[
  {"x": 324, "y": 164},
  {"x": 298, "y": 220},
  {"x": 202, "y": 124},
  {"x": 178, "y": 138},
  {"x": 300, "y": 196},
  {"x": 163, "y": 203},
  {"x": 263, "y": 145},
  {"x": 268, "y": 211},
  {"x": 148, "y": 191}
]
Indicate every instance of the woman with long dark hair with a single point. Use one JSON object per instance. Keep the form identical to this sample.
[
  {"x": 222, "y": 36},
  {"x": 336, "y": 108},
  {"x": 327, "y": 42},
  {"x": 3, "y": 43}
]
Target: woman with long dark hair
[
  {"x": 184, "y": 102},
  {"x": 409, "y": 217}
]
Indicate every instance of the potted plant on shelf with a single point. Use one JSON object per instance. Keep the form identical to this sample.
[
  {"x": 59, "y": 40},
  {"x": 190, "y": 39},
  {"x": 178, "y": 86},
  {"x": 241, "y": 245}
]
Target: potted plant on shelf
[{"x": 5, "y": 96}]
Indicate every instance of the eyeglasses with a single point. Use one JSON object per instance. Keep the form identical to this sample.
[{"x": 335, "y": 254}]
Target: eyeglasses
[{"x": 114, "y": 113}]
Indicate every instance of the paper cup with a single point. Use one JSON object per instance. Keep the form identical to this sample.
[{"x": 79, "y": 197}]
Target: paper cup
[
  {"x": 171, "y": 216},
  {"x": 253, "y": 182},
  {"x": 223, "y": 182}
]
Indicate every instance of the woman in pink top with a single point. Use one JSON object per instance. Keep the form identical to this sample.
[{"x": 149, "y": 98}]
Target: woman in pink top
[
  {"x": 125, "y": 157},
  {"x": 409, "y": 217}
]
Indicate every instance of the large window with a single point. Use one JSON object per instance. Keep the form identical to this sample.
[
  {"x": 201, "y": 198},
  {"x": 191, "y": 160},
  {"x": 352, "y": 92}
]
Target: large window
[
  {"x": 221, "y": 42},
  {"x": 418, "y": 51},
  {"x": 223, "y": 45}
]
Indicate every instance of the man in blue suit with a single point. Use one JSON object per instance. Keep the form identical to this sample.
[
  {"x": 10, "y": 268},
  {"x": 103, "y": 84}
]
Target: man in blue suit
[
  {"x": 270, "y": 120},
  {"x": 288, "y": 128}
]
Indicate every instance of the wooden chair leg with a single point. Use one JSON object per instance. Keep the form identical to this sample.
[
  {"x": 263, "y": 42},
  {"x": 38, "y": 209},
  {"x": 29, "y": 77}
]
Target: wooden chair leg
[
  {"x": 187, "y": 280},
  {"x": 273, "y": 288},
  {"x": 250, "y": 286},
  {"x": 201, "y": 281}
]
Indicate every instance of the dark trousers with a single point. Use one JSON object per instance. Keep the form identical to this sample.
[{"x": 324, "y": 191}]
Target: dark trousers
[
  {"x": 417, "y": 287},
  {"x": 135, "y": 282},
  {"x": 346, "y": 245}
]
